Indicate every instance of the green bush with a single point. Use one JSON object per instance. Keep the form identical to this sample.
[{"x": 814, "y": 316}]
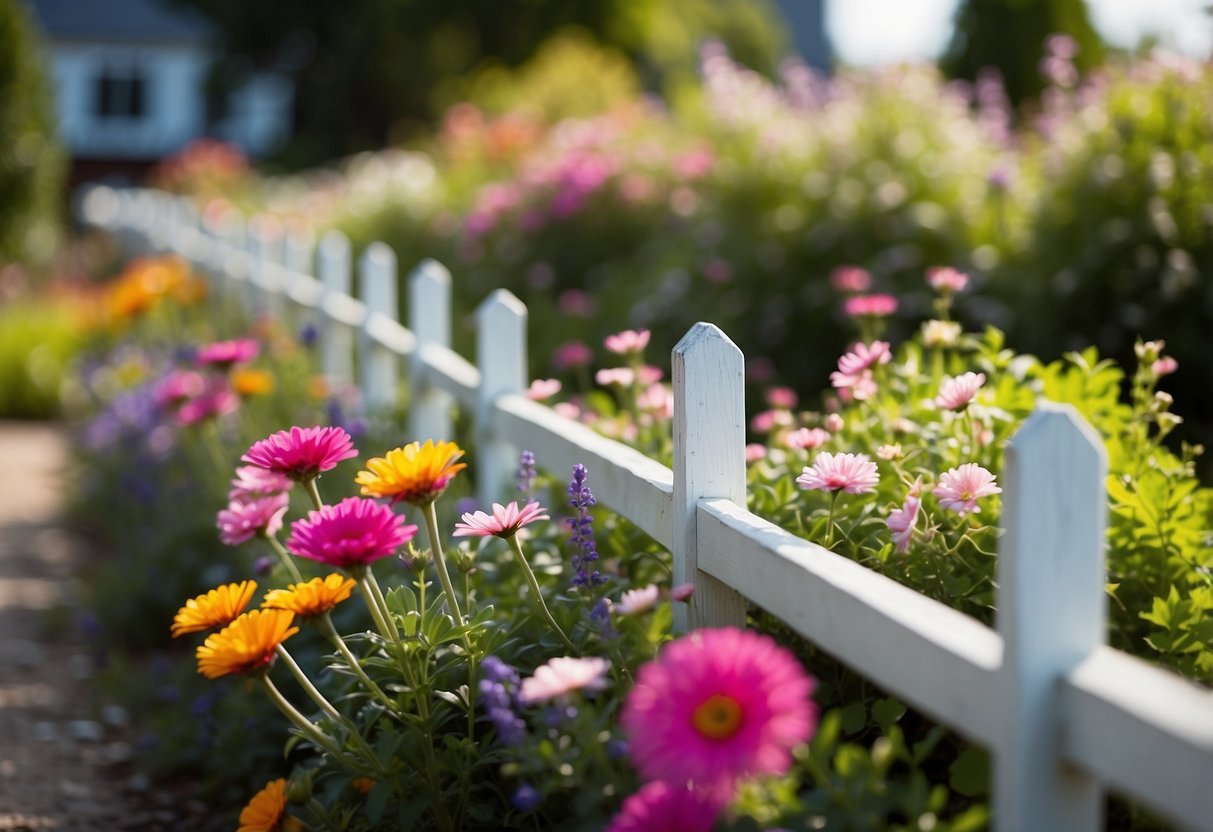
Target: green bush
[{"x": 38, "y": 338}]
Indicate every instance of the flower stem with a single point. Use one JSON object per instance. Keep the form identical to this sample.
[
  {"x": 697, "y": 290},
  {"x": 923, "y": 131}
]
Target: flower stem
[
  {"x": 283, "y": 556},
  {"x": 516, "y": 548},
  {"x": 377, "y": 604},
  {"x": 313, "y": 492},
  {"x": 321, "y": 739},
  {"x": 830, "y": 521},
  {"x": 326, "y": 624},
  {"x": 431, "y": 526}
]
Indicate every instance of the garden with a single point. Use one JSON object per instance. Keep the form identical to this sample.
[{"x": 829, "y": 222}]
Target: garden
[{"x": 343, "y": 578}]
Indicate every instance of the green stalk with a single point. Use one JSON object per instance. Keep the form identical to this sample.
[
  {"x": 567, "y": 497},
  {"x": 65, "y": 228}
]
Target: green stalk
[
  {"x": 326, "y": 625},
  {"x": 381, "y": 601},
  {"x": 283, "y": 556},
  {"x": 830, "y": 521},
  {"x": 431, "y": 526},
  {"x": 321, "y": 739},
  {"x": 516, "y": 548},
  {"x": 314, "y": 492}
]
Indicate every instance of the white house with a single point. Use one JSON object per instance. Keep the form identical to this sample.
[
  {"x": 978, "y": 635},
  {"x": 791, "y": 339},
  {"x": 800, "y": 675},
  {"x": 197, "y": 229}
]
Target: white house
[{"x": 130, "y": 82}]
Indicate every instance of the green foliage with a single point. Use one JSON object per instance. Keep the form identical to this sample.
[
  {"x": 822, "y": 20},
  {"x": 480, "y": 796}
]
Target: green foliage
[
  {"x": 38, "y": 337},
  {"x": 31, "y": 166}
]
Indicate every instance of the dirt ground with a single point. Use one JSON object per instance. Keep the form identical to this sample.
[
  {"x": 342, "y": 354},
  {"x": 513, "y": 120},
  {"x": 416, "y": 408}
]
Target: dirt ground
[{"x": 64, "y": 755}]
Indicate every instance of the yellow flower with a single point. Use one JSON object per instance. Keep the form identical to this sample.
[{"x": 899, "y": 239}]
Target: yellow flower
[
  {"x": 317, "y": 596},
  {"x": 264, "y": 812},
  {"x": 416, "y": 473},
  {"x": 216, "y": 608},
  {"x": 248, "y": 382},
  {"x": 245, "y": 645}
]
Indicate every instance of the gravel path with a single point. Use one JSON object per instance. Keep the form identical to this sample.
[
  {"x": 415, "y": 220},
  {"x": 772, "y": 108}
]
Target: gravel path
[{"x": 61, "y": 751}]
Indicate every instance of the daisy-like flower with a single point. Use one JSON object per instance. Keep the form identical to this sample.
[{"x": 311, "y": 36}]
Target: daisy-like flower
[
  {"x": 245, "y": 645},
  {"x": 947, "y": 280},
  {"x": 242, "y": 519},
  {"x": 177, "y": 387},
  {"x": 307, "y": 600},
  {"x": 636, "y": 601},
  {"x": 216, "y": 399},
  {"x": 662, "y": 807},
  {"x": 850, "y": 279},
  {"x": 876, "y": 306},
  {"x": 628, "y": 341},
  {"x": 248, "y": 382},
  {"x": 864, "y": 356},
  {"x": 505, "y": 521},
  {"x": 251, "y": 481},
  {"x": 351, "y": 533},
  {"x": 717, "y": 706},
  {"x": 264, "y": 812},
  {"x": 957, "y": 392},
  {"x": 782, "y": 397},
  {"x": 852, "y": 473},
  {"x": 563, "y": 675},
  {"x": 959, "y": 489},
  {"x": 755, "y": 451},
  {"x": 542, "y": 389},
  {"x": 902, "y": 520},
  {"x": 225, "y": 354},
  {"x": 860, "y": 387},
  {"x": 940, "y": 333},
  {"x": 301, "y": 453},
  {"x": 217, "y": 608},
  {"x": 416, "y": 473},
  {"x": 807, "y": 438}
]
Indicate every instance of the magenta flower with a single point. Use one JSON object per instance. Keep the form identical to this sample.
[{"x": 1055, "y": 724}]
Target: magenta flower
[
  {"x": 225, "y": 354},
  {"x": 876, "y": 306},
  {"x": 251, "y": 481},
  {"x": 852, "y": 473},
  {"x": 947, "y": 280},
  {"x": 301, "y": 453},
  {"x": 782, "y": 397},
  {"x": 218, "y": 399},
  {"x": 351, "y": 533},
  {"x": 716, "y": 706},
  {"x": 572, "y": 354},
  {"x": 864, "y": 356},
  {"x": 959, "y": 489},
  {"x": 628, "y": 341},
  {"x": 562, "y": 676},
  {"x": 1164, "y": 366},
  {"x": 902, "y": 520},
  {"x": 850, "y": 279},
  {"x": 957, "y": 392},
  {"x": 244, "y": 518},
  {"x": 177, "y": 387},
  {"x": 505, "y": 521},
  {"x": 661, "y": 807}
]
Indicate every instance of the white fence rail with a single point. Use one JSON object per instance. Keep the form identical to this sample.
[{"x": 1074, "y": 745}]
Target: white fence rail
[{"x": 1064, "y": 716}]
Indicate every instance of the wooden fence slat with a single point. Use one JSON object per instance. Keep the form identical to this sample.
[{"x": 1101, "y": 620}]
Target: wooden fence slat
[
  {"x": 430, "y": 320},
  {"x": 379, "y": 367},
  {"x": 336, "y": 339},
  {"x": 502, "y": 357}
]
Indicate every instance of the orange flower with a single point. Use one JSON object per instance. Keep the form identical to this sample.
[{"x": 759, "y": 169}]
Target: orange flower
[
  {"x": 245, "y": 645},
  {"x": 416, "y": 473},
  {"x": 363, "y": 785},
  {"x": 316, "y": 597},
  {"x": 248, "y": 382},
  {"x": 264, "y": 812},
  {"x": 216, "y": 608}
]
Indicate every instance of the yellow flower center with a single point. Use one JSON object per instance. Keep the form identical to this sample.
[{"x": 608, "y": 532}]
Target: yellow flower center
[{"x": 718, "y": 717}]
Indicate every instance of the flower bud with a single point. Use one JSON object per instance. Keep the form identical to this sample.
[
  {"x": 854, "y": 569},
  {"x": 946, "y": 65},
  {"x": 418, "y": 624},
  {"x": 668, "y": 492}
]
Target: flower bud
[{"x": 299, "y": 787}]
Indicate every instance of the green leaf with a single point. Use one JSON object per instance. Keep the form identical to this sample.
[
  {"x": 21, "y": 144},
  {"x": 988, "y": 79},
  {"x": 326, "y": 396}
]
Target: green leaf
[
  {"x": 376, "y": 801},
  {"x": 969, "y": 773},
  {"x": 886, "y": 712}
]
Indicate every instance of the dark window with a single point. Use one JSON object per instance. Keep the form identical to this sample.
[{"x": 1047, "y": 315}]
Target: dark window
[{"x": 121, "y": 95}]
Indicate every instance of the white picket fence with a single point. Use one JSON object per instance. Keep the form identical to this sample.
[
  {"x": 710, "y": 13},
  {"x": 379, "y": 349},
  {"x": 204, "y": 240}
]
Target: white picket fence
[{"x": 1064, "y": 716}]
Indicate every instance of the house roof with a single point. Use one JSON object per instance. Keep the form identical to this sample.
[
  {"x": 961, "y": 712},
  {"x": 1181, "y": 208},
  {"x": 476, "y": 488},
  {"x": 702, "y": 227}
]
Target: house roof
[{"x": 120, "y": 20}]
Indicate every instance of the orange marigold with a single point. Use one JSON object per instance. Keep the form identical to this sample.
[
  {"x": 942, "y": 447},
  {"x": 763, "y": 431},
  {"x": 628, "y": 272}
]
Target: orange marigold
[
  {"x": 264, "y": 812},
  {"x": 216, "y": 608},
  {"x": 245, "y": 645},
  {"x": 316, "y": 597},
  {"x": 248, "y": 382},
  {"x": 416, "y": 473}
]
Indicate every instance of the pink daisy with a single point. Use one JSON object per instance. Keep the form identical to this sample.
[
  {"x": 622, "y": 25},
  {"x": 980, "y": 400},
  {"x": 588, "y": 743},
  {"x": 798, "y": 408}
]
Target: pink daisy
[
  {"x": 636, "y": 601},
  {"x": 244, "y": 518},
  {"x": 623, "y": 376},
  {"x": 661, "y": 807},
  {"x": 351, "y": 533},
  {"x": 251, "y": 481},
  {"x": 542, "y": 389},
  {"x": 852, "y": 473},
  {"x": 863, "y": 356},
  {"x": 218, "y": 399},
  {"x": 628, "y": 341},
  {"x": 959, "y": 489},
  {"x": 876, "y": 306},
  {"x": 947, "y": 279},
  {"x": 716, "y": 706},
  {"x": 859, "y": 387},
  {"x": 957, "y": 392},
  {"x": 572, "y": 354},
  {"x": 834, "y": 423},
  {"x": 1164, "y": 366},
  {"x": 563, "y": 675},
  {"x": 301, "y": 453},
  {"x": 177, "y": 387},
  {"x": 768, "y": 420},
  {"x": 807, "y": 438},
  {"x": 224, "y": 354},
  {"x": 504, "y": 522},
  {"x": 902, "y": 520},
  {"x": 850, "y": 279},
  {"x": 755, "y": 451},
  {"x": 782, "y": 397}
]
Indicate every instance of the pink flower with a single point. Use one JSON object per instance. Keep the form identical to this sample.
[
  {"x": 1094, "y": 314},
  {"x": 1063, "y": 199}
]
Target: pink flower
[
  {"x": 661, "y": 807},
  {"x": 901, "y": 521},
  {"x": 957, "y": 392},
  {"x": 636, "y": 601},
  {"x": 628, "y": 341},
  {"x": 224, "y": 354},
  {"x": 623, "y": 376},
  {"x": 1164, "y": 366},
  {"x": 716, "y": 706},
  {"x": 351, "y": 533},
  {"x": 768, "y": 420},
  {"x": 218, "y": 399},
  {"x": 852, "y": 473},
  {"x": 577, "y": 304},
  {"x": 572, "y": 354},
  {"x": 860, "y": 387},
  {"x": 177, "y": 387},
  {"x": 561, "y": 676},
  {"x": 959, "y": 489},
  {"x": 784, "y": 398},
  {"x": 876, "y": 306},
  {"x": 850, "y": 279},
  {"x": 301, "y": 453},
  {"x": 657, "y": 400},
  {"x": 863, "y": 356},
  {"x": 947, "y": 280},
  {"x": 693, "y": 164},
  {"x": 889, "y": 452},
  {"x": 834, "y": 423},
  {"x": 807, "y": 438},
  {"x": 682, "y": 593},
  {"x": 755, "y": 451},
  {"x": 244, "y": 518},
  {"x": 542, "y": 389},
  {"x": 251, "y": 481},
  {"x": 504, "y": 522},
  {"x": 568, "y": 410}
]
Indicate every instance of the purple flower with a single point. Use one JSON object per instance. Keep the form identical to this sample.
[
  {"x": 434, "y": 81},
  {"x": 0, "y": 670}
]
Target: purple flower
[
  {"x": 526, "y": 798},
  {"x": 526, "y": 473},
  {"x": 581, "y": 524},
  {"x": 499, "y": 695}
]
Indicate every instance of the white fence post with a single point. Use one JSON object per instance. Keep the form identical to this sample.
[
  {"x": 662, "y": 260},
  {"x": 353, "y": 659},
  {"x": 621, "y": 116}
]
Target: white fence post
[
  {"x": 430, "y": 321},
  {"x": 298, "y": 258},
  {"x": 709, "y": 461},
  {"x": 1052, "y": 612},
  {"x": 379, "y": 367},
  {"x": 502, "y": 357},
  {"x": 336, "y": 340},
  {"x": 264, "y": 287}
]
